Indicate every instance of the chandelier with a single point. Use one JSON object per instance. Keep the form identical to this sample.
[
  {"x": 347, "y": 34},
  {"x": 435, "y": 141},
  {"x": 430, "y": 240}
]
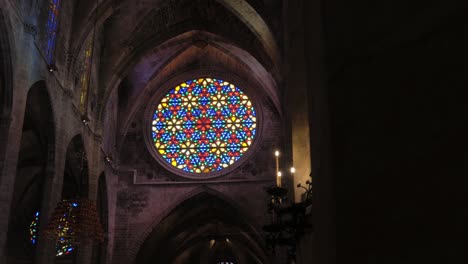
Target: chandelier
[{"x": 73, "y": 221}]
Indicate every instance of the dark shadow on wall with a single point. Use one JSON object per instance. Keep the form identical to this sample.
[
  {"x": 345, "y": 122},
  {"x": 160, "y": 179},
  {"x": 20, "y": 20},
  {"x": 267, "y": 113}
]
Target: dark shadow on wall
[
  {"x": 35, "y": 156},
  {"x": 6, "y": 86},
  {"x": 100, "y": 248}
]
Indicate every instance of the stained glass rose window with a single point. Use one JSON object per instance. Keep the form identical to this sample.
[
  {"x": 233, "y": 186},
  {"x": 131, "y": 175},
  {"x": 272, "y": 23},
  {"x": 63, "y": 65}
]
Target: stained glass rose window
[{"x": 203, "y": 125}]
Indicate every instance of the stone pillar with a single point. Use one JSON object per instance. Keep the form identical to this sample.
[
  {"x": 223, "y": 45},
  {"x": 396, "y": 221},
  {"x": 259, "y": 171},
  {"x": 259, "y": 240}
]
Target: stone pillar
[
  {"x": 52, "y": 195},
  {"x": 112, "y": 183},
  {"x": 12, "y": 131},
  {"x": 323, "y": 212},
  {"x": 8, "y": 173},
  {"x": 85, "y": 250},
  {"x": 4, "y": 128},
  {"x": 296, "y": 94},
  {"x": 308, "y": 112}
]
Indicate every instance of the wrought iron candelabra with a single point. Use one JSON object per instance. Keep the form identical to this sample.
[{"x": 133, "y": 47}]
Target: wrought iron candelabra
[{"x": 288, "y": 219}]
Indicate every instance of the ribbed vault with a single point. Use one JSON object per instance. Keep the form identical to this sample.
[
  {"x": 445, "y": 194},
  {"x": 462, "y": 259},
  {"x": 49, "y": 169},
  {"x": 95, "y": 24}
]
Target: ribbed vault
[{"x": 194, "y": 231}]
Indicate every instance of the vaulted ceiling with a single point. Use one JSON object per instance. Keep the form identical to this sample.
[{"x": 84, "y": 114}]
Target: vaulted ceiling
[{"x": 149, "y": 43}]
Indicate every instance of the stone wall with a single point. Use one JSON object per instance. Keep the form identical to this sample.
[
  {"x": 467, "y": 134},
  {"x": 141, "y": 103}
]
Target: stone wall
[{"x": 137, "y": 201}]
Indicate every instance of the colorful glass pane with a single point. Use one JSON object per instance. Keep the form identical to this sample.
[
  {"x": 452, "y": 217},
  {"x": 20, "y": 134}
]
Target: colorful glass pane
[
  {"x": 33, "y": 228},
  {"x": 203, "y": 125},
  {"x": 52, "y": 26},
  {"x": 64, "y": 244},
  {"x": 85, "y": 74}
]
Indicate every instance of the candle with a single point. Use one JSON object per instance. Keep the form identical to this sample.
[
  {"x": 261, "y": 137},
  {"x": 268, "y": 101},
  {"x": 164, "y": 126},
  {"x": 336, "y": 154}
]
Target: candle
[
  {"x": 278, "y": 179},
  {"x": 277, "y": 161},
  {"x": 293, "y": 170}
]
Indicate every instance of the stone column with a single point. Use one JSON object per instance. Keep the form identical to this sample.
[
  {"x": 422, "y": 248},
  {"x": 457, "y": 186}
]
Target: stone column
[
  {"x": 8, "y": 173},
  {"x": 323, "y": 212},
  {"x": 4, "y": 129},
  {"x": 85, "y": 250},
  {"x": 296, "y": 101},
  {"x": 11, "y": 141},
  {"x": 52, "y": 195}
]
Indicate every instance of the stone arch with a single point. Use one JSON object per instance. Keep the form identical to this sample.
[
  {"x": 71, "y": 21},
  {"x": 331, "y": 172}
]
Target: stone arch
[
  {"x": 76, "y": 174},
  {"x": 83, "y": 26},
  {"x": 255, "y": 22},
  {"x": 239, "y": 64},
  {"x": 185, "y": 233},
  {"x": 75, "y": 182},
  {"x": 35, "y": 166},
  {"x": 176, "y": 18}
]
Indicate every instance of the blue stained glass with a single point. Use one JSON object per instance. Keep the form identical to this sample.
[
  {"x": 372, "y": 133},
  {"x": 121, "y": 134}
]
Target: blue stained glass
[
  {"x": 196, "y": 113},
  {"x": 215, "y": 117},
  {"x": 181, "y": 136},
  {"x": 211, "y": 112},
  {"x": 196, "y": 90},
  {"x": 226, "y": 112},
  {"x": 51, "y": 31},
  {"x": 225, "y": 135},
  {"x": 160, "y": 125},
  {"x": 33, "y": 228},
  {"x": 212, "y": 89},
  {"x": 189, "y": 124},
  {"x": 166, "y": 137},
  {"x": 196, "y": 135},
  {"x": 211, "y": 136},
  {"x": 167, "y": 114}
]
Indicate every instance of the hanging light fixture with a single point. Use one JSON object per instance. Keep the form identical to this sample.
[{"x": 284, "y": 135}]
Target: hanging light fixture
[
  {"x": 289, "y": 219},
  {"x": 74, "y": 220}
]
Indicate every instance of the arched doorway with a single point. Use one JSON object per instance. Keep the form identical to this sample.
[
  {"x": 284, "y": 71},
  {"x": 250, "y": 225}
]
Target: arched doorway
[
  {"x": 36, "y": 156},
  {"x": 203, "y": 229}
]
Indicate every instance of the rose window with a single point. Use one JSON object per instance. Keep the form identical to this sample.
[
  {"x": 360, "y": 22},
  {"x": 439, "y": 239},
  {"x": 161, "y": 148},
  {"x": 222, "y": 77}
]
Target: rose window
[{"x": 203, "y": 125}]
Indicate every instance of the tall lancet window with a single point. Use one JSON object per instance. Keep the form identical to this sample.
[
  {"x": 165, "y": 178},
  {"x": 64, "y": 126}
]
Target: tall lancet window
[
  {"x": 52, "y": 29},
  {"x": 85, "y": 76}
]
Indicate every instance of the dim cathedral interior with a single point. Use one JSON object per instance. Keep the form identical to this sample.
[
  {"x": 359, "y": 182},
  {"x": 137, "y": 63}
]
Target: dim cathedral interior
[{"x": 232, "y": 131}]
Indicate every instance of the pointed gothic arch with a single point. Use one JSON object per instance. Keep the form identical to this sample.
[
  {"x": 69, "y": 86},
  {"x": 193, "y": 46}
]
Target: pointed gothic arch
[
  {"x": 35, "y": 165},
  {"x": 76, "y": 175},
  {"x": 187, "y": 233}
]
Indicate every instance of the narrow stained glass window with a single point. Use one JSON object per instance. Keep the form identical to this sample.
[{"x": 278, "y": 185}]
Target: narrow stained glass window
[
  {"x": 52, "y": 27},
  {"x": 203, "y": 125},
  {"x": 64, "y": 244},
  {"x": 85, "y": 74},
  {"x": 34, "y": 228}
]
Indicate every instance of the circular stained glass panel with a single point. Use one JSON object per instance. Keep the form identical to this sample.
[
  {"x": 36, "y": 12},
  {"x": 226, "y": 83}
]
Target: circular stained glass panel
[{"x": 203, "y": 125}]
